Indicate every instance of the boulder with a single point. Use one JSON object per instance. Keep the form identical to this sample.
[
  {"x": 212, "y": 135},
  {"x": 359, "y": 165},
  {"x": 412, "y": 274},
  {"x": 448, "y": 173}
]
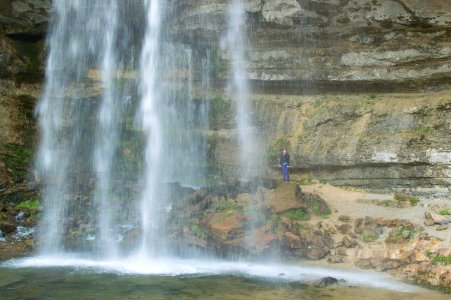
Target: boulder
[
  {"x": 344, "y": 228},
  {"x": 224, "y": 227},
  {"x": 7, "y": 227},
  {"x": 442, "y": 227},
  {"x": 313, "y": 245},
  {"x": 283, "y": 198},
  {"x": 437, "y": 218},
  {"x": 344, "y": 218},
  {"x": 327, "y": 281},
  {"x": 25, "y": 16}
]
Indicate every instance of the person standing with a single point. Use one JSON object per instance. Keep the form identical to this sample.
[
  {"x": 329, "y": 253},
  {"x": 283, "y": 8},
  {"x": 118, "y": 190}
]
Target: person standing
[{"x": 284, "y": 164}]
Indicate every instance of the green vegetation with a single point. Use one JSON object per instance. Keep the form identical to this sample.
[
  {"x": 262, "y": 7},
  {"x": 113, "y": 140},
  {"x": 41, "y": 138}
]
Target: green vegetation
[
  {"x": 402, "y": 234},
  {"x": 17, "y": 158},
  {"x": 403, "y": 197},
  {"x": 221, "y": 113},
  {"x": 275, "y": 222},
  {"x": 372, "y": 96},
  {"x": 369, "y": 237},
  {"x": 300, "y": 228},
  {"x": 29, "y": 204},
  {"x": 305, "y": 181},
  {"x": 319, "y": 207},
  {"x": 198, "y": 231},
  {"x": 228, "y": 205},
  {"x": 31, "y": 51},
  {"x": 297, "y": 214},
  {"x": 441, "y": 259},
  {"x": 444, "y": 212},
  {"x": 423, "y": 131}
]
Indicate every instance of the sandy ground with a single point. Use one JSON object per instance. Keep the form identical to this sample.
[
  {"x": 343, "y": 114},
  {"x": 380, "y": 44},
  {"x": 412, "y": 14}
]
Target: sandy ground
[{"x": 346, "y": 202}]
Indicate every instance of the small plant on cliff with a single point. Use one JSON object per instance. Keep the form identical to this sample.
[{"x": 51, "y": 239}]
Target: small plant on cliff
[
  {"x": 297, "y": 214},
  {"x": 275, "y": 222},
  {"x": 423, "y": 131},
  {"x": 319, "y": 207},
  {"x": 198, "y": 231},
  {"x": 228, "y": 205},
  {"x": 305, "y": 181},
  {"x": 29, "y": 204},
  {"x": 369, "y": 237},
  {"x": 17, "y": 158},
  {"x": 402, "y": 234},
  {"x": 403, "y": 197},
  {"x": 444, "y": 212},
  {"x": 444, "y": 260}
]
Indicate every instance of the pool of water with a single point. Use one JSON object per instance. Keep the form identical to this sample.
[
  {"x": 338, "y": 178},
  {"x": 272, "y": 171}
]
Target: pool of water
[{"x": 71, "y": 278}]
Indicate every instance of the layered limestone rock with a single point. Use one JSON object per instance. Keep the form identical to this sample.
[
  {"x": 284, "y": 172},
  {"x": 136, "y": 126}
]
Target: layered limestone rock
[
  {"x": 298, "y": 47},
  {"x": 382, "y": 44},
  {"x": 372, "y": 140}
]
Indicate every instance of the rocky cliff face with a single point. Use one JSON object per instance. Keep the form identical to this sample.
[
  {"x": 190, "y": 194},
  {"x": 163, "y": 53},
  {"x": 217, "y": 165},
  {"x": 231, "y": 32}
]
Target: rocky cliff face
[
  {"x": 362, "y": 52},
  {"x": 336, "y": 44},
  {"x": 294, "y": 48},
  {"x": 23, "y": 25}
]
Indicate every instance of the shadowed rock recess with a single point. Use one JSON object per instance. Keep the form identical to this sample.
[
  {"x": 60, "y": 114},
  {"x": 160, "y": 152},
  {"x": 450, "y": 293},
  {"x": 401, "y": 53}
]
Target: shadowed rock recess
[{"x": 357, "y": 91}]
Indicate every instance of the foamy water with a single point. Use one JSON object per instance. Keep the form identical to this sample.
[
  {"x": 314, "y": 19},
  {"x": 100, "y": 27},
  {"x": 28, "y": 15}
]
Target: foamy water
[{"x": 196, "y": 267}]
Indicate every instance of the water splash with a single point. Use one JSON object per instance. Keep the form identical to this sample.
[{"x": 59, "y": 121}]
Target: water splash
[{"x": 194, "y": 267}]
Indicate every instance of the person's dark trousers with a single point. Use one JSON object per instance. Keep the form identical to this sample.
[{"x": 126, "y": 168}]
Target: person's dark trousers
[{"x": 285, "y": 174}]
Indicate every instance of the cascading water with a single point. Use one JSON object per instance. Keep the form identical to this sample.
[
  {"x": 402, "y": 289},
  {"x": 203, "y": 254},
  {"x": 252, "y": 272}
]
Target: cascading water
[
  {"x": 114, "y": 138},
  {"x": 239, "y": 91},
  {"x": 175, "y": 149},
  {"x": 151, "y": 202},
  {"x": 83, "y": 41}
]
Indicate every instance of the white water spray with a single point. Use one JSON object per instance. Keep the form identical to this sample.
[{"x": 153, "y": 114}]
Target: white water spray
[
  {"x": 238, "y": 89},
  {"x": 250, "y": 153},
  {"x": 151, "y": 203}
]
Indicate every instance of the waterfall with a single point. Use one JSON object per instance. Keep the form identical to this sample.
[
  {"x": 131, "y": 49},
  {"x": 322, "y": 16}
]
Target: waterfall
[
  {"x": 239, "y": 90},
  {"x": 152, "y": 202},
  {"x": 238, "y": 87},
  {"x": 82, "y": 42},
  {"x": 116, "y": 131}
]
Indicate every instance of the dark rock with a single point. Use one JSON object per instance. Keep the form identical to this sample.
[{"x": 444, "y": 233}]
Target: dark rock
[
  {"x": 388, "y": 264},
  {"x": 344, "y": 218},
  {"x": 313, "y": 245},
  {"x": 348, "y": 242},
  {"x": 7, "y": 227},
  {"x": 442, "y": 227},
  {"x": 344, "y": 228},
  {"x": 336, "y": 259},
  {"x": 327, "y": 281}
]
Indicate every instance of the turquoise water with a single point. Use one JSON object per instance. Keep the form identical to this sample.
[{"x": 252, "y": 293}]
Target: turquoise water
[{"x": 77, "y": 279}]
